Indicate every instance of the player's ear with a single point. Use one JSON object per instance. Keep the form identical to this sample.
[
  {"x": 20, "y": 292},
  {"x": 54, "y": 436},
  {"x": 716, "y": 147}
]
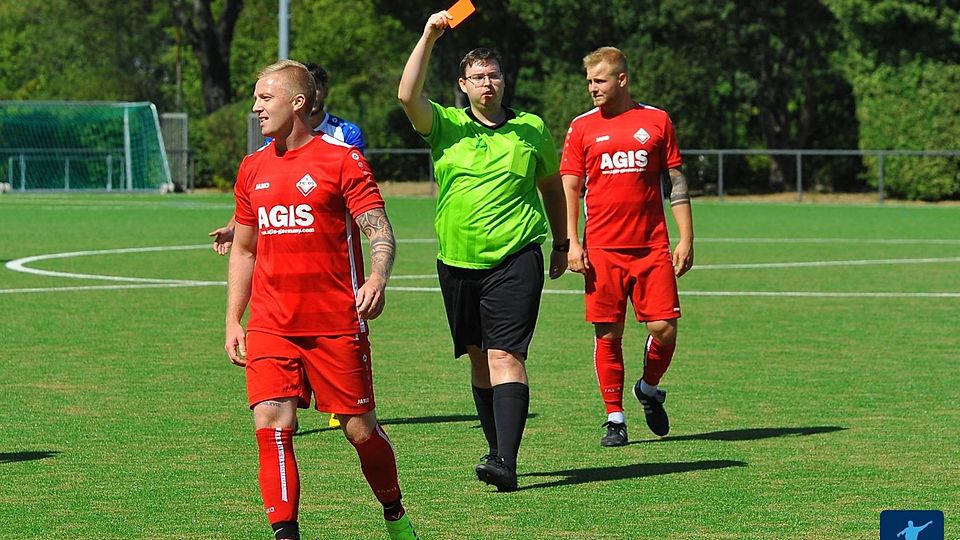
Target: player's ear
[
  {"x": 299, "y": 102},
  {"x": 463, "y": 85},
  {"x": 622, "y": 80}
]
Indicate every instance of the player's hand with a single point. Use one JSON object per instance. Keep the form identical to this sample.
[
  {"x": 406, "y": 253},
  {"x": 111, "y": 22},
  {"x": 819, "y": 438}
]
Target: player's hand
[
  {"x": 222, "y": 239},
  {"x": 236, "y": 344},
  {"x": 577, "y": 258},
  {"x": 683, "y": 257},
  {"x": 437, "y": 24},
  {"x": 558, "y": 263},
  {"x": 371, "y": 297}
]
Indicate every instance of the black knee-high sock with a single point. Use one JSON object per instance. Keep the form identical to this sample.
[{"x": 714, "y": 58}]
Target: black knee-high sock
[
  {"x": 511, "y": 401},
  {"x": 483, "y": 399}
]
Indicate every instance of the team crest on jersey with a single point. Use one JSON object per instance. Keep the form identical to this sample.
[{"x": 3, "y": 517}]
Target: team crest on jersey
[
  {"x": 306, "y": 185},
  {"x": 642, "y": 136}
]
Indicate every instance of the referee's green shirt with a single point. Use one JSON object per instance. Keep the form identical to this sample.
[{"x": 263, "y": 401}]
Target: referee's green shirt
[{"x": 488, "y": 206}]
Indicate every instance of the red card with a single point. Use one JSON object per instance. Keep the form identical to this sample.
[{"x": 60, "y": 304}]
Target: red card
[{"x": 460, "y": 11}]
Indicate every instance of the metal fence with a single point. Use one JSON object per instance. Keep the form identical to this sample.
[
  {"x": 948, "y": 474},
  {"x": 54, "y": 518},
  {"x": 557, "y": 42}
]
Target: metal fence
[
  {"x": 401, "y": 163},
  {"x": 800, "y": 155},
  {"x": 719, "y": 171},
  {"x": 388, "y": 165}
]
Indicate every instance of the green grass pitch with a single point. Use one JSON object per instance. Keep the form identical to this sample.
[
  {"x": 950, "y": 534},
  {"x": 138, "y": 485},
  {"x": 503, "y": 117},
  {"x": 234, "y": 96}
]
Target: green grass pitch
[{"x": 816, "y": 383}]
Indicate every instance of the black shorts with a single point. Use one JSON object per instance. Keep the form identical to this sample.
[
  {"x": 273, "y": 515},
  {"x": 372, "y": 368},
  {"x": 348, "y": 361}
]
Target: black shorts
[{"x": 494, "y": 308}]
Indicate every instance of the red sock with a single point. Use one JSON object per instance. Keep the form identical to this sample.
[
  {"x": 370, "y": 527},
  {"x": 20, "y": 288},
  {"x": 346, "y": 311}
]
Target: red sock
[
  {"x": 279, "y": 477},
  {"x": 656, "y": 360},
  {"x": 379, "y": 466},
  {"x": 608, "y": 361}
]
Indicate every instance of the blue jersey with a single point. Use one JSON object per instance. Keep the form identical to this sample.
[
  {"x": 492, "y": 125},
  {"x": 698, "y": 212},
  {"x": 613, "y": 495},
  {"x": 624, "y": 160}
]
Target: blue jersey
[{"x": 339, "y": 129}]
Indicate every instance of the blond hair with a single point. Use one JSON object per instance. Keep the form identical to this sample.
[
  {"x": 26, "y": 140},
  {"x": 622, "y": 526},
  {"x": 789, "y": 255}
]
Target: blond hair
[
  {"x": 296, "y": 79},
  {"x": 611, "y": 55}
]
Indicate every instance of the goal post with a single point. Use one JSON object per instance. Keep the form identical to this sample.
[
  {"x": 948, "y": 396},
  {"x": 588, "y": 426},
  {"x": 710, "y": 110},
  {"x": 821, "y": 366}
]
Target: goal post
[{"x": 69, "y": 145}]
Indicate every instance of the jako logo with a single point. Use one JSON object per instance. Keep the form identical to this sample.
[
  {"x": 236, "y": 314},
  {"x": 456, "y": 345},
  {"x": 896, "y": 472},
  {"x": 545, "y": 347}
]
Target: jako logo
[
  {"x": 262, "y": 185},
  {"x": 623, "y": 160},
  {"x": 285, "y": 216}
]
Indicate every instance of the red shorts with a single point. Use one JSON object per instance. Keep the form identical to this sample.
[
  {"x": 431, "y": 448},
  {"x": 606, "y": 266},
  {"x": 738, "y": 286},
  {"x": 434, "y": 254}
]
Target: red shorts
[
  {"x": 336, "y": 370},
  {"x": 645, "y": 275}
]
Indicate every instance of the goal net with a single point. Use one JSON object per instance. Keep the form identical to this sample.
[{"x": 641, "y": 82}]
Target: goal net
[{"x": 81, "y": 146}]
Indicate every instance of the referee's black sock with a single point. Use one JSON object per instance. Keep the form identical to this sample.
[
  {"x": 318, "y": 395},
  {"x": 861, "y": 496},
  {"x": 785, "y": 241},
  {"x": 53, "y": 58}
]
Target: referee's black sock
[
  {"x": 511, "y": 402},
  {"x": 483, "y": 398}
]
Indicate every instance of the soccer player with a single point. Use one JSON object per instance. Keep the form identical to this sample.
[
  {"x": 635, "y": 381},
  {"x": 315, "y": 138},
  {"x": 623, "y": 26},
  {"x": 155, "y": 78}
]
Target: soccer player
[
  {"x": 618, "y": 152},
  {"x": 322, "y": 122},
  {"x": 489, "y": 163},
  {"x": 301, "y": 202}
]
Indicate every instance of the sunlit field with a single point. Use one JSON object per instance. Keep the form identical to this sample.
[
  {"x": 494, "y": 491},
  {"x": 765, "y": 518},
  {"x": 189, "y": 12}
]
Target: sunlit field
[{"x": 815, "y": 384}]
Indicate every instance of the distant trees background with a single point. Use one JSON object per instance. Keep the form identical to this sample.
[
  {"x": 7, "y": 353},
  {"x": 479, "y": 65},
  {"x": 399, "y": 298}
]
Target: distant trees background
[{"x": 869, "y": 74}]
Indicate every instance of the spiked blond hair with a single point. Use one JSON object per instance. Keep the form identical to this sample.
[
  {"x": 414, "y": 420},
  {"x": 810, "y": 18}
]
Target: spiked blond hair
[
  {"x": 611, "y": 55},
  {"x": 296, "y": 79}
]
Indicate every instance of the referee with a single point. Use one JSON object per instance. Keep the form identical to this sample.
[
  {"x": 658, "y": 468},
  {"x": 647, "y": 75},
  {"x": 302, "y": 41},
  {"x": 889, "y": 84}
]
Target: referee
[{"x": 490, "y": 162}]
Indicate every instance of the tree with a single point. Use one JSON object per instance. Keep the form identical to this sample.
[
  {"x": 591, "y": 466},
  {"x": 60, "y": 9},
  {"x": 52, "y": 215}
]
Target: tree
[
  {"x": 211, "y": 41},
  {"x": 494, "y": 25},
  {"x": 902, "y": 57},
  {"x": 40, "y": 58},
  {"x": 802, "y": 98}
]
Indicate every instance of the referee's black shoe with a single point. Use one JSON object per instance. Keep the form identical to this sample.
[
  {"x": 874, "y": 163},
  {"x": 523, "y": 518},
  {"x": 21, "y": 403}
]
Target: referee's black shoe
[
  {"x": 495, "y": 473},
  {"x": 616, "y": 434},
  {"x": 653, "y": 410}
]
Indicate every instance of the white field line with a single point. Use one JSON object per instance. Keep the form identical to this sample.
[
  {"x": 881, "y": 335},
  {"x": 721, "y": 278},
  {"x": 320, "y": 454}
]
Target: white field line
[
  {"x": 51, "y": 203},
  {"x": 795, "y": 294},
  {"x": 800, "y": 294},
  {"x": 113, "y": 287},
  {"x": 893, "y": 241},
  {"x": 809, "y": 264},
  {"x": 20, "y": 265}
]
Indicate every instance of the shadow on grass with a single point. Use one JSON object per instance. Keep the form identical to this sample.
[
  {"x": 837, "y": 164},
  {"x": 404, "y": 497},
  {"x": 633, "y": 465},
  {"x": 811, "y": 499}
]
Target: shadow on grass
[
  {"x": 445, "y": 419},
  {"x": 12, "y": 457},
  {"x": 640, "y": 470},
  {"x": 752, "y": 434}
]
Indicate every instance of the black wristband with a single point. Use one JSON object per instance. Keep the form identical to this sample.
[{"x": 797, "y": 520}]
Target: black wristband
[{"x": 562, "y": 246}]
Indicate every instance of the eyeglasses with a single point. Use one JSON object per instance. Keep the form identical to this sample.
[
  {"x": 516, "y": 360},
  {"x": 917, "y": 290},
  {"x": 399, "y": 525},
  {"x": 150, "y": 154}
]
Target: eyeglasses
[{"x": 479, "y": 79}]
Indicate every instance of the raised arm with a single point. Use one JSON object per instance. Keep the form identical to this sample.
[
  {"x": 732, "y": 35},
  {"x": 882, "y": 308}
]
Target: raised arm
[
  {"x": 410, "y": 94},
  {"x": 682, "y": 213},
  {"x": 239, "y": 280},
  {"x": 555, "y": 206},
  {"x": 383, "y": 249},
  {"x": 576, "y": 257}
]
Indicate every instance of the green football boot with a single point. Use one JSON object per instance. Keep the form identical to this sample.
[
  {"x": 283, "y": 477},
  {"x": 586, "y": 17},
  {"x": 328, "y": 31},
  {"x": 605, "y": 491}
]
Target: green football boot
[{"x": 402, "y": 529}]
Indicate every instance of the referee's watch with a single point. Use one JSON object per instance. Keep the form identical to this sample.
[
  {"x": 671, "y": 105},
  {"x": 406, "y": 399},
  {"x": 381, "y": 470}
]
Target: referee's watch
[{"x": 562, "y": 246}]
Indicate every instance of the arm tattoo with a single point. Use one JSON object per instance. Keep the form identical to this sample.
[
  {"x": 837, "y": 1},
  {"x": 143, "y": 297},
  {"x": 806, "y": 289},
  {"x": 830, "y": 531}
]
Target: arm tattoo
[
  {"x": 383, "y": 247},
  {"x": 680, "y": 194}
]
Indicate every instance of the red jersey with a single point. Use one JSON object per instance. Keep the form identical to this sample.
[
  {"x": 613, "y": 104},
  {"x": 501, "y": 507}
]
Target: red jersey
[
  {"x": 622, "y": 158},
  {"x": 309, "y": 262}
]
